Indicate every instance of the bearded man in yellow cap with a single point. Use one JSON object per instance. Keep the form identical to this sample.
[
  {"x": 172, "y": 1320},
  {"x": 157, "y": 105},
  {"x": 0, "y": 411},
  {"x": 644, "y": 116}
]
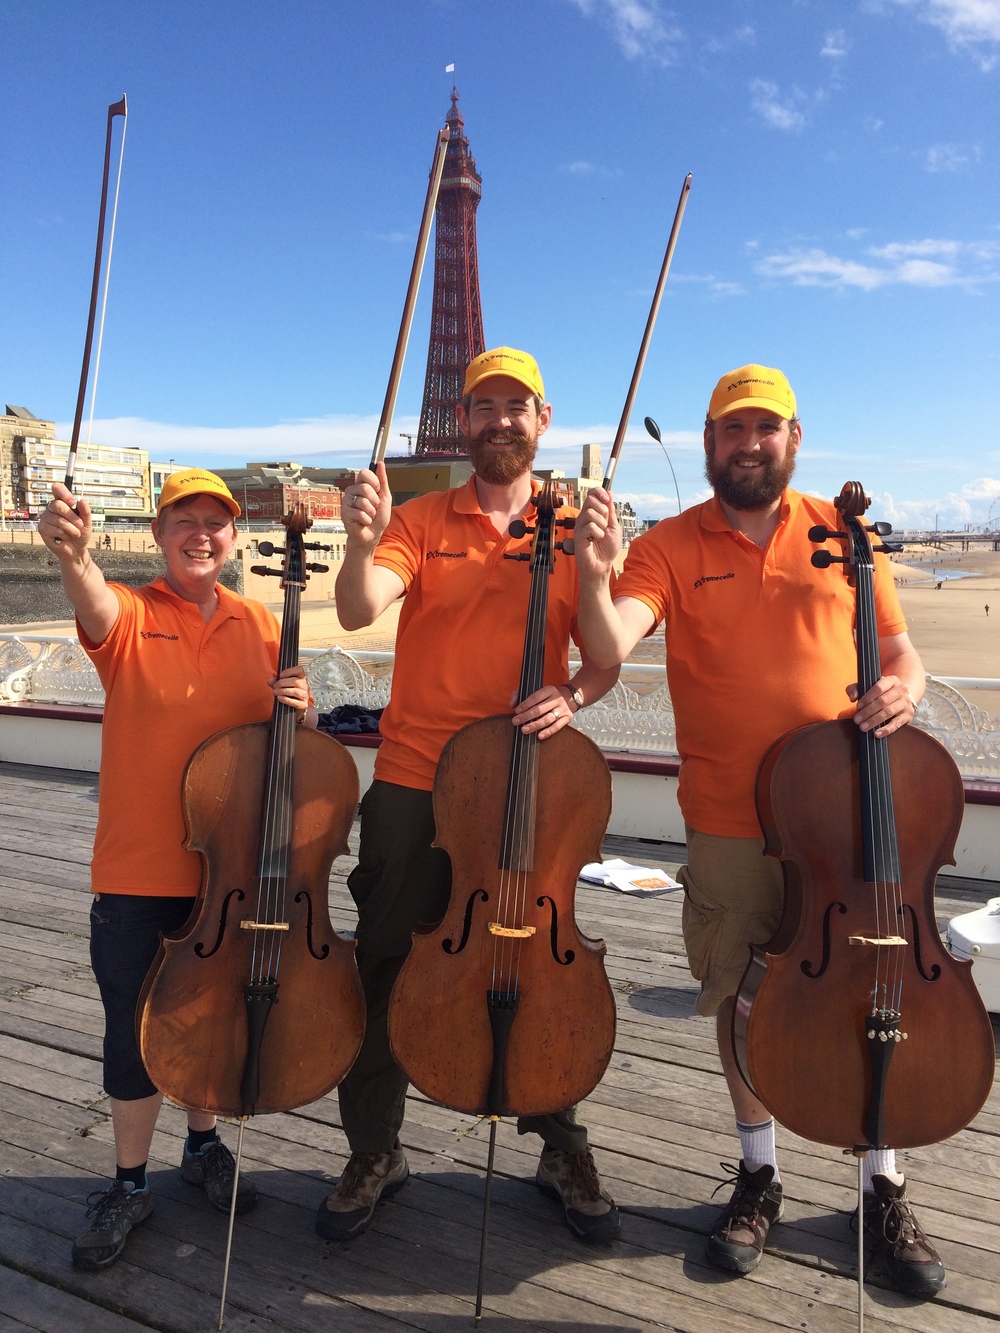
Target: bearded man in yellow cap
[
  {"x": 458, "y": 654},
  {"x": 756, "y": 646},
  {"x": 179, "y": 659}
]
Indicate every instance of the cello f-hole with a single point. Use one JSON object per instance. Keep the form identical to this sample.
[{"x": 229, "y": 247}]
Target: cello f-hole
[
  {"x": 304, "y": 896},
  {"x": 449, "y": 946},
  {"x": 935, "y": 972},
  {"x": 554, "y": 932},
  {"x": 199, "y": 948},
  {"x": 807, "y": 967}
]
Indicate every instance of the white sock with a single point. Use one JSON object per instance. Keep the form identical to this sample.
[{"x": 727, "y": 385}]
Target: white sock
[
  {"x": 757, "y": 1145},
  {"x": 880, "y": 1162}
]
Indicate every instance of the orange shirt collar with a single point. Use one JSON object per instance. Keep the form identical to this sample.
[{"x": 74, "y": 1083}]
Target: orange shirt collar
[
  {"x": 229, "y": 602},
  {"x": 714, "y": 519},
  {"x": 467, "y": 498}
]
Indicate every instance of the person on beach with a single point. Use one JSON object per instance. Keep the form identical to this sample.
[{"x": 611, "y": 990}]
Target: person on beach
[
  {"x": 179, "y": 659},
  {"x": 755, "y": 647},
  {"x": 458, "y": 655}
]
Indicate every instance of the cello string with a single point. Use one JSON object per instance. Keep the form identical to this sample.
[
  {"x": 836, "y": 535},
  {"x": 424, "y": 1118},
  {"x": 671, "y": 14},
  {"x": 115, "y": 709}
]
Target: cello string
[
  {"x": 286, "y": 767},
  {"x": 287, "y": 774},
  {"x": 888, "y": 888}
]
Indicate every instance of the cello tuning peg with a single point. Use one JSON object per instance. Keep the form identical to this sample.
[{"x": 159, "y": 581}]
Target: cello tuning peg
[
  {"x": 518, "y": 528},
  {"x": 519, "y": 555},
  {"x": 823, "y": 559},
  {"x": 265, "y": 572},
  {"x": 267, "y": 549},
  {"x": 315, "y": 546},
  {"x": 819, "y": 533},
  {"x": 881, "y": 529},
  {"x": 568, "y": 545},
  {"x": 318, "y": 569},
  {"x": 565, "y": 522},
  {"x": 889, "y": 547}
]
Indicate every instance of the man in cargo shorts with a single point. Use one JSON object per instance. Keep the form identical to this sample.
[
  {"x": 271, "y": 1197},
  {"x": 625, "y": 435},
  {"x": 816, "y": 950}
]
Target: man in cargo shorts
[{"x": 756, "y": 645}]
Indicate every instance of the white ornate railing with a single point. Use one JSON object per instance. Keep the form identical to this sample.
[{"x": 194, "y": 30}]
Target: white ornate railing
[{"x": 50, "y": 669}]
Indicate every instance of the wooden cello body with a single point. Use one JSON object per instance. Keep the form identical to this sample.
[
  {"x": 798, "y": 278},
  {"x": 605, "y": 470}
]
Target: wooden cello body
[
  {"x": 256, "y": 1005},
  {"x": 462, "y": 971},
  {"x": 854, "y": 1025},
  {"x": 504, "y": 1008}
]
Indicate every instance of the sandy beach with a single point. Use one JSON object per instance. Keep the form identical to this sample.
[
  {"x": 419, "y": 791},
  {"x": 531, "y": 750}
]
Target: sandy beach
[{"x": 946, "y": 617}]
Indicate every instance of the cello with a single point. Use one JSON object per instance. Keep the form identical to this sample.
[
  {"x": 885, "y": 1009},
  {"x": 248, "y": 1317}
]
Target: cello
[
  {"x": 504, "y": 1008},
  {"x": 854, "y": 1025},
  {"x": 256, "y": 1004}
]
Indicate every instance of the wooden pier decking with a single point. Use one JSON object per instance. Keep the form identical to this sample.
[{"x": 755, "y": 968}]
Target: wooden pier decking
[{"x": 660, "y": 1123}]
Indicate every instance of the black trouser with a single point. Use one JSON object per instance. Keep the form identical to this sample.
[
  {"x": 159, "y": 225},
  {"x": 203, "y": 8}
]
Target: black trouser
[
  {"x": 401, "y": 881},
  {"x": 125, "y": 932}
]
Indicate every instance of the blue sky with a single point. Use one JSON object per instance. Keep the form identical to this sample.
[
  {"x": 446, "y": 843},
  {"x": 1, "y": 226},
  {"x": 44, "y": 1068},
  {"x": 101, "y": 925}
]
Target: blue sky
[{"x": 844, "y": 223}]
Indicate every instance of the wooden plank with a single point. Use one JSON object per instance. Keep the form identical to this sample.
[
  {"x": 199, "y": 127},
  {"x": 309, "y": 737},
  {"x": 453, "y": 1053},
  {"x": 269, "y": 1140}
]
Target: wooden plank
[{"x": 48, "y": 1309}]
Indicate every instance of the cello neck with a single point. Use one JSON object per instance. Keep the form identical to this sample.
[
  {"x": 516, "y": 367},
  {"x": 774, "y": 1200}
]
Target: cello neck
[
  {"x": 880, "y": 849},
  {"x": 276, "y": 834},
  {"x": 518, "y": 836}
]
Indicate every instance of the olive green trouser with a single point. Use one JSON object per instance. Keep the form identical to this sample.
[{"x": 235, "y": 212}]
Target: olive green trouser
[{"x": 401, "y": 881}]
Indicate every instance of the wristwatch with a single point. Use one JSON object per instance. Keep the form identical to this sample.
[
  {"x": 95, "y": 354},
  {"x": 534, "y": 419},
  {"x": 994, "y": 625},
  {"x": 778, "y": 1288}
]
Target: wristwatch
[{"x": 576, "y": 696}]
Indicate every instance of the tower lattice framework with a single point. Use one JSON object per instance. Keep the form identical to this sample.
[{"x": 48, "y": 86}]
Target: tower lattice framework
[{"x": 457, "y": 315}]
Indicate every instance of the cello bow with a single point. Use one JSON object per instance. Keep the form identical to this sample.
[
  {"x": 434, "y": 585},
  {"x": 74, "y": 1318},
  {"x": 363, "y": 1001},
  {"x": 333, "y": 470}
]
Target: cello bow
[
  {"x": 647, "y": 334},
  {"x": 409, "y": 305},
  {"x": 119, "y": 108}
]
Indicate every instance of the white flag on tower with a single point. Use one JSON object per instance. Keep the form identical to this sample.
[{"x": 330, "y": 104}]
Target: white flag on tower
[{"x": 449, "y": 69}]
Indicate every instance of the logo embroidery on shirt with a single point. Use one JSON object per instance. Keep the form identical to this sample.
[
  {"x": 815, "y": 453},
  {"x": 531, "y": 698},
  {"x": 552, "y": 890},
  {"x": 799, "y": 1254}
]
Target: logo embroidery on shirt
[
  {"x": 447, "y": 555},
  {"x": 151, "y": 634},
  {"x": 713, "y": 578}
]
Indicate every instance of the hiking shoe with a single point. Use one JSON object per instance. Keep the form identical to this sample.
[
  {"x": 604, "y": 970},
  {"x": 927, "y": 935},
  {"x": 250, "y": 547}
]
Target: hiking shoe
[
  {"x": 909, "y": 1260},
  {"x": 572, "y": 1179},
  {"x": 738, "y": 1237},
  {"x": 213, "y": 1169},
  {"x": 114, "y": 1212},
  {"x": 368, "y": 1177}
]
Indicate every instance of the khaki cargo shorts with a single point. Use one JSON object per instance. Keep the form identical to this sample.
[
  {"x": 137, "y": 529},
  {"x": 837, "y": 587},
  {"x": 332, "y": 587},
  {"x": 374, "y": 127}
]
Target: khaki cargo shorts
[{"x": 733, "y": 895}]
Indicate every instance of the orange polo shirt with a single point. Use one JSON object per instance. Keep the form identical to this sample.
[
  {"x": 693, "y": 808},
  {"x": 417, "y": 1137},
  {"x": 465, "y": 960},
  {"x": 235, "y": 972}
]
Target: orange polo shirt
[
  {"x": 462, "y": 626},
  {"x": 758, "y": 642},
  {"x": 170, "y": 681}
]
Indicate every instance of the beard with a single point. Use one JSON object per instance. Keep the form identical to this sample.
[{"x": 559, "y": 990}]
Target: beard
[
  {"x": 757, "y": 490},
  {"x": 501, "y": 467}
]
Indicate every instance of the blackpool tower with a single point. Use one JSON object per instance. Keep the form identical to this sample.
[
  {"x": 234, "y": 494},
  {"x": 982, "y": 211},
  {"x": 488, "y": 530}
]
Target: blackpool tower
[{"x": 457, "y": 315}]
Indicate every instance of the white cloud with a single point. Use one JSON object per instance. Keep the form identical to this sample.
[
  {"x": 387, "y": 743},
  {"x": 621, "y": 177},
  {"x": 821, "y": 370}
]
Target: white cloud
[
  {"x": 950, "y": 157},
  {"x": 968, "y": 25},
  {"x": 780, "y": 115},
  {"x": 640, "y": 27},
  {"x": 717, "y": 286},
  {"x": 970, "y": 504},
  {"x": 928, "y": 263},
  {"x": 581, "y": 168},
  {"x": 744, "y": 36},
  {"x": 835, "y": 45},
  {"x": 292, "y": 440}
]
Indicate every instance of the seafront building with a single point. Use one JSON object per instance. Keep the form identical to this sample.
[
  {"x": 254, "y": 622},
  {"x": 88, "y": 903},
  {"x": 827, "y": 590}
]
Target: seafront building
[{"x": 114, "y": 479}]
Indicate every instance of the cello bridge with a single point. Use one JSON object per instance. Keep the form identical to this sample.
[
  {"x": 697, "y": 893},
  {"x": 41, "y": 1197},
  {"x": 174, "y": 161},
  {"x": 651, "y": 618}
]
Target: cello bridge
[
  {"x": 512, "y": 932},
  {"x": 895, "y": 940},
  {"x": 247, "y": 924}
]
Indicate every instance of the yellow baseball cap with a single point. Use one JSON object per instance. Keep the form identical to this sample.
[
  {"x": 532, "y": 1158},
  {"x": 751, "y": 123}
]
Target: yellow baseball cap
[
  {"x": 195, "y": 481},
  {"x": 505, "y": 361},
  {"x": 752, "y": 386}
]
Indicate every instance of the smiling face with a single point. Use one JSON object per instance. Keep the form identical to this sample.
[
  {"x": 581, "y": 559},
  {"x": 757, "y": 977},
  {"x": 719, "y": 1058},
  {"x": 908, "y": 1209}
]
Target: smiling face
[
  {"x": 750, "y": 456},
  {"x": 502, "y": 424},
  {"x": 196, "y": 536}
]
